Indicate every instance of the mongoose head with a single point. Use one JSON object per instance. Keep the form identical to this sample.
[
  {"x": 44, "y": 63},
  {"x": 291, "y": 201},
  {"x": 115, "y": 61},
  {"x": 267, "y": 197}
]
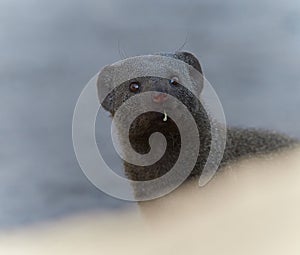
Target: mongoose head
[{"x": 163, "y": 88}]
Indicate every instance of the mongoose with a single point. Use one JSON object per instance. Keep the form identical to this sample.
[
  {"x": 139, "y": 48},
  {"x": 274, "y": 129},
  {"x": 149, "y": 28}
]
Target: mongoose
[{"x": 240, "y": 143}]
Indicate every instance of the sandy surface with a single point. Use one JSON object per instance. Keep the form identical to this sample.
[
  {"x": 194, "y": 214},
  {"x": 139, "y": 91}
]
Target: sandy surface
[{"x": 251, "y": 208}]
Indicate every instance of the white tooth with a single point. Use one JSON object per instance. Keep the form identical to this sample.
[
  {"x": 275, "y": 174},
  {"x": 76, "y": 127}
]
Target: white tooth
[{"x": 165, "y": 116}]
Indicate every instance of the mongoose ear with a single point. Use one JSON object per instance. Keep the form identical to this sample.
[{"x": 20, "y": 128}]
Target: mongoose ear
[
  {"x": 196, "y": 73},
  {"x": 104, "y": 87},
  {"x": 190, "y": 59}
]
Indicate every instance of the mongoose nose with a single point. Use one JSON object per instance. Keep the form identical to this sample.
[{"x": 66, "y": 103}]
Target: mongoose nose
[{"x": 159, "y": 98}]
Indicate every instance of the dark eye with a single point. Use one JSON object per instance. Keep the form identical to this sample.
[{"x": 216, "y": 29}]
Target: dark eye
[
  {"x": 134, "y": 87},
  {"x": 174, "y": 81}
]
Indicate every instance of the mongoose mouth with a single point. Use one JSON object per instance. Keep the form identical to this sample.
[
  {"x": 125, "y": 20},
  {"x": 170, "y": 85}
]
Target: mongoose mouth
[
  {"x": 161, "y": 118},
  {"x": 152, "y": 120}
]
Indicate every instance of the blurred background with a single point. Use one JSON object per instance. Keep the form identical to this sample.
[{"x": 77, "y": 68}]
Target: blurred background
[{"x": 250, "y": 52}]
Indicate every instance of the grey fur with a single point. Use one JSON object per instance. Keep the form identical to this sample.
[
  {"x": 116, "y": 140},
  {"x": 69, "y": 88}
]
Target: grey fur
[{"x": 241, "y": 143}]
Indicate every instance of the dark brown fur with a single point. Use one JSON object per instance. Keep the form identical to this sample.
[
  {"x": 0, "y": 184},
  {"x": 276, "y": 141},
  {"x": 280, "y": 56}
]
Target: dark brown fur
[{"x": 241, "y": 143}]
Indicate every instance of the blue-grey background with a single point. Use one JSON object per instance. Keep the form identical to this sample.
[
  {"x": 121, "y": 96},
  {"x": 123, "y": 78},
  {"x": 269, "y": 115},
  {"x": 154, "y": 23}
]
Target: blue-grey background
[{"x": 250, "y": 51}]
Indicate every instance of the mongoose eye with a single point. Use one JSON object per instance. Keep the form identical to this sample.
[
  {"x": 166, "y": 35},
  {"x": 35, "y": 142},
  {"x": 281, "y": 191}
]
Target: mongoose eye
[
  {"x": 174, "y": 81},
  {"x": 134, "y": 87}
]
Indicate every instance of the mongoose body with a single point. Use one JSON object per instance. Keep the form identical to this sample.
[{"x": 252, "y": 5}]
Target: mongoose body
[{"x": 240, "y": 143}]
